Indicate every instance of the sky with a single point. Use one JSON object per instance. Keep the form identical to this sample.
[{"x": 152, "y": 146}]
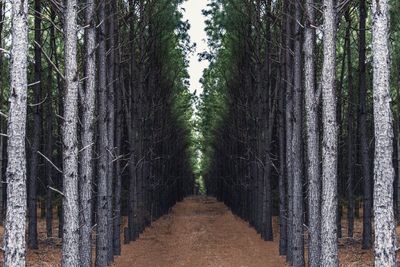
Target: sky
[{"x": 197, "y": 34}]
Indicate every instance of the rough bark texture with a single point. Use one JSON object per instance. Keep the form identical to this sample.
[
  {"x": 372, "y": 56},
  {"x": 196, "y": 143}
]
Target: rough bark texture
[
  {"x": 37, "y": 127},
  {"x": 329, "y": 246},
  {"x": 385, "y": 238},
  {"x": 298, "y": 235},
  {"x": 365, "y": 161},
  {"x": 2, "y": 124},
  {"x": 86, "y": 156},
  {"x": 111, "y": 124},
  {"x": 102, "y": 182},
  {"x": 70, "y": 247},
  {"x": 288, "y": 117},
  {"x": 14, "y": 238},
  {"x": 313, "y": 159},
  {"x": 350, "y": 137}
]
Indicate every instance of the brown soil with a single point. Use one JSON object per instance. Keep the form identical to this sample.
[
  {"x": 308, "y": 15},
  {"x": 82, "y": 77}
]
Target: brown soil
[{"x": 200, "y": 232}]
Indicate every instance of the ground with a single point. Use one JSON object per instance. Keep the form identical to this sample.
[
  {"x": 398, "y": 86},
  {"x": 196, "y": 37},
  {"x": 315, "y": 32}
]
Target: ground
[{"x": 200, "y": 232}]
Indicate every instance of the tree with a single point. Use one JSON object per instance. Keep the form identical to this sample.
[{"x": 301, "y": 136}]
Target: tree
[
  {"x": 298, "y": 240},
  {"x": 313, "y": 167},
  {"x": 385, "y": 239},
  {"x": 14, "y": 237},
  {"x": 88, "y": 96},
  {"x": 102, "y": 168},
  {"x": 70, "y": 246},
  {"x": 329, "y": 246},
  {"x": 366, "y": 174},
  {"x": 37, "y": 127}
]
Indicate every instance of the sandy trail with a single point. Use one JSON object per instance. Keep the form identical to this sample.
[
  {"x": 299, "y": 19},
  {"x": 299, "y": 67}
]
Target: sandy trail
[{"x": 200, "y": 232}]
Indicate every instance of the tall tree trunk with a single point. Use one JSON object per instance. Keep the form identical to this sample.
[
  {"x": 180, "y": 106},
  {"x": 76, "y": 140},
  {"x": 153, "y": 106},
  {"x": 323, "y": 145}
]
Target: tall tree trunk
[
  {"x": 2, "y": 128},
  {"x": 298, "y": 235},
  {"x": 88, "y": 97},
  {"x": 102, "y": 182},
  {"x": 288, "y": 117},
  {"x": 14, "y": 237},
  {"x": 365, "y": 161},
  {"x": 70, "y": 247},
  {"x": 111, "y": 124},
  {"x": 282, "y": 148},
  {"x": 313, "y": 157},
  {"x": 49, "y": 142},
  {"x": 350, "y": 127},
  {"x": 118, "y": 151},
  {"x": 329, "y": 246},
  {"x": 385, "y": 236},
  {"x": 34, "y": 160}
]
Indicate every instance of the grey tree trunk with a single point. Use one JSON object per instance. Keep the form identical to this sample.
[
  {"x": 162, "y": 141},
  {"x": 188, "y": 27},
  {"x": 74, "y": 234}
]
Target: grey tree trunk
[
  {"x": 111, "y": 124},
  {"x": 14, "y": 237},
  {"x": 88, "y": 97},
  {"x": 2, "y": 124},
  {"x": 365, "y": 161},
  {"x": 49, "y": 143},
  {"x": 102, "y": 182},
  {"x": 298, "y": 234},
  {"x": 118, "y": 167},
  {"x": 282, "y": 148},
  {"x": 350, "y": 127},
  {"x": 385, "y": 236},
  {"x": 288, "y": 117},
  {"x": 313, "y": 157},
  {"x": 70, "y": 247},
  {"x": 329, "y": 246},
  {"x": 37, "y": 127}
]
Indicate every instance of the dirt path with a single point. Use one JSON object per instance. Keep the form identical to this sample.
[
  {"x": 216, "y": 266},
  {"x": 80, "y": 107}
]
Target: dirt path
[{"x": 200, "y": 232}]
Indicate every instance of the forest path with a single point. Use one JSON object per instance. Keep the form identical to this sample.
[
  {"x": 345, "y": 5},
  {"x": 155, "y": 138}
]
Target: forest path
[{"x": 200, "y": 232}]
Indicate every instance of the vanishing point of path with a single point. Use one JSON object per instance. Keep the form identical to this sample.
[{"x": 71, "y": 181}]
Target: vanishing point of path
[{"x": 200, "y": 232}]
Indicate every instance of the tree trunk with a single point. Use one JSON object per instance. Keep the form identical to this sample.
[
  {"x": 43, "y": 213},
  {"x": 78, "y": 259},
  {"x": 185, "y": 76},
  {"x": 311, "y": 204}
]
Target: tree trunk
[
  {"x": 14, "y": 237},
  {"x": 118, "y": 152},
  {"x": 111, "y": 125},
  {"x": 312, "y": 133},
  {"x": 385, "y": 237},
  {"x": 365, "y": 161},
  {"x": 298, "y": 235},
  {"x": 70, "y": 248},
  {"x": 350, "y": 127},
  {"x": 329, "y": 246},
  {"x": 88, "y": 97},
  {"x": 102, "y": 234},
  {"x": 2, "y": 128},
  {"x": 49, "y": 142},
  {"x": 34, "y": 160},
  {"x": 289, "y": 110}
]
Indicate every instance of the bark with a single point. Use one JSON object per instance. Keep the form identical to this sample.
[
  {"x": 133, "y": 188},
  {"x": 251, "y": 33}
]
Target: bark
[
  {"x": 70, "y": 247},
  {"x": 88, "y": 97},
  {"x": 102, "y": 234},
  {"x": 365, "y": 161},
  {"x": 34, "y": 160},
  {"x": 350, "y": 139},
  {"x": 329, "y": 246},
  {"x": 2, "y": 128},
  {"x": 14, "y": 237},
  {"x": 49, "y": 143},
  {"x": 312, "y": 134},
  {"x": 385, "y": 237},
  {"x": 282, "y": 147},
  {"x": 118, "y": 169},
  {"x": 298, "y": 237},
  {"x": 111, "y": 125},
  {"x": 288, "y": 117}
]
